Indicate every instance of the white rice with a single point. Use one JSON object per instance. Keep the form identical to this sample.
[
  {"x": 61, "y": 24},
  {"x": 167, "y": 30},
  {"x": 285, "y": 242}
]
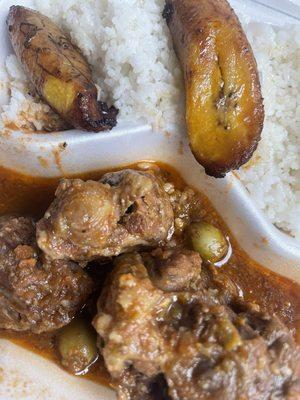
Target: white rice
[
  {"x": 19, "y": 107},
  {"x": 272, "y": 177},
  {"x": 129, "y": 47}
]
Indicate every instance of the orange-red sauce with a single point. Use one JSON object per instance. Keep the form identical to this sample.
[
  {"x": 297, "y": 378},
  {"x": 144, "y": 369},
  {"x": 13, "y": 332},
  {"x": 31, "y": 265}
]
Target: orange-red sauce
[{"x": 25, "y": 195}]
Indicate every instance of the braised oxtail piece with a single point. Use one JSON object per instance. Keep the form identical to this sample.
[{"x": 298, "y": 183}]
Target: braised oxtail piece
[
  {"x": 90, "y": 220},
  {"x": 36, "y": 294},
  {"x": 59, "y": 72},
  {"x": 166, "y": 336}
]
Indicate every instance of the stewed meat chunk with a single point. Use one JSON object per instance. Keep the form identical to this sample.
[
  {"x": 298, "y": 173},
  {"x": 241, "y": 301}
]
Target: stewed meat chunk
[
  {"x": 36, "y": 294},
  {"x": 145, "y": 208},
  {"x": 173, "y": 270},
  {"x": 194, "y": 344},
  {"x": 136, "y": 386},
  {"x": 79, "y": 222},
  {"x": 90, "y": 220}
]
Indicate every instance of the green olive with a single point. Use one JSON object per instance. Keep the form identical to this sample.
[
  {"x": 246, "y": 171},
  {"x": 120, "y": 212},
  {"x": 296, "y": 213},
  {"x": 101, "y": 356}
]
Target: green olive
[
  {"x": 208, "y": 241},
  {"x": 77, "y": 346}
]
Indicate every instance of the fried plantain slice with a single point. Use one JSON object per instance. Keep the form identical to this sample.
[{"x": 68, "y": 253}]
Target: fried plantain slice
[
  {"x": 58, "y": 70},
  {"x": 224, "y": 106}
]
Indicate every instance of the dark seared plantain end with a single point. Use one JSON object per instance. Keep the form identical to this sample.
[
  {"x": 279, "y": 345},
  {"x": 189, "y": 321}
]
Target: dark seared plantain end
[
  {"x": 58, "y": 70},
  {"x": 224, "y": 106},
  {"x": 95, "y": 115},
  {"x": 168, "y": 11}
]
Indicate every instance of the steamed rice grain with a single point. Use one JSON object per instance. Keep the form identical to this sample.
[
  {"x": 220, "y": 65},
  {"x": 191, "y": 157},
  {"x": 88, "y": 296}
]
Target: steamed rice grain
[
  {"x": 130, "y": 50},
  {"x": 273, "y": 176}
]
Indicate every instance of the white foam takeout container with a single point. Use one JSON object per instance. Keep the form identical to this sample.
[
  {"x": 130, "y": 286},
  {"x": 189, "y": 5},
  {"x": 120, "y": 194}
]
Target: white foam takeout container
[{"x": 24, "y": 375}]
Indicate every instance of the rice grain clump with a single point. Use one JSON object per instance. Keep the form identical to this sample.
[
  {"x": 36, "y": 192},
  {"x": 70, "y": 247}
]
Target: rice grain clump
[
  {"x": 272, "y": 177},
  {"x": 20, "y": 106},
  {"x": 128, "y": 45}
]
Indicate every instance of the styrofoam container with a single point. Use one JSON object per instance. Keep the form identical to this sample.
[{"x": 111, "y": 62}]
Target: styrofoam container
[{"x": 24, "y": 375}]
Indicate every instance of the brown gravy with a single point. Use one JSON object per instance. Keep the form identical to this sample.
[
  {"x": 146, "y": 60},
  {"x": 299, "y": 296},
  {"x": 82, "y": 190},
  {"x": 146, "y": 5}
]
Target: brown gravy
[{"x": 25, "y": 195}]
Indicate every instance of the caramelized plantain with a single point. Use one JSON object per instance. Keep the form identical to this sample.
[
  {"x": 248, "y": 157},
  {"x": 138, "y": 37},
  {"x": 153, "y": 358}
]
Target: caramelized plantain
[
  {"x": 224, "y": 106},
  {"x": 59, "y": 72}
]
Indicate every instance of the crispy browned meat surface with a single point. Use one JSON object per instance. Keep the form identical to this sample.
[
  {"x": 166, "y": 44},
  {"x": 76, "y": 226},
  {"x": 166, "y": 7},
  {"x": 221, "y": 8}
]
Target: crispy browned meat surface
[
  {"x": 224, "y": 108},
  {"x": 192, "y": 344},
  {"x": 35, "y": 294},
  {"x": 58, "y": 70},
  {"x": 89, "y": 220}
]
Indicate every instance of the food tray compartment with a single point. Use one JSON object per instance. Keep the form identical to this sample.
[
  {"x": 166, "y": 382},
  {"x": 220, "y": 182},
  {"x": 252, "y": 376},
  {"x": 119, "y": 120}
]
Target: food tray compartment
[{"x": 24, "y": 375}]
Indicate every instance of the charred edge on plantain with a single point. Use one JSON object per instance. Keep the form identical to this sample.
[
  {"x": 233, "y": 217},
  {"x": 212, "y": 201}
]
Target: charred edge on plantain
[
  {"x": 29, "y": 30},
  {"x": 64, "y": 43},
  {"x": 109, "y": 115},
  {"x": 168, "y": 12}
]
